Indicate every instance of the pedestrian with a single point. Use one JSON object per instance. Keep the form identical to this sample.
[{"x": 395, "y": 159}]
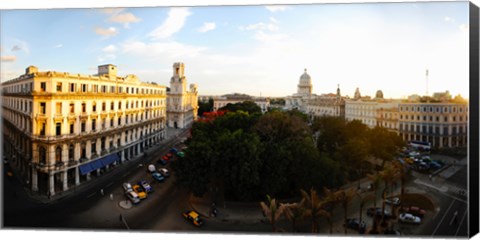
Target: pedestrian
[
  {"x": 111, "y": 196},
  {"x": 101, "y": 191},
  {"x": 121, "y": 218}
]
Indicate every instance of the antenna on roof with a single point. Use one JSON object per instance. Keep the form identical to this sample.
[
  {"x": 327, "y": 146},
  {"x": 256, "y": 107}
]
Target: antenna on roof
[{"x": 426, "y": 78}]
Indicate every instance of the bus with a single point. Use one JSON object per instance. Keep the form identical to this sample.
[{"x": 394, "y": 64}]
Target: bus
[{"x": 426, "y": 146}]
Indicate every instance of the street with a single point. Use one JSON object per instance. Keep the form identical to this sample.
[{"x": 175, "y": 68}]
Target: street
[{"x": 161, "y": 211}]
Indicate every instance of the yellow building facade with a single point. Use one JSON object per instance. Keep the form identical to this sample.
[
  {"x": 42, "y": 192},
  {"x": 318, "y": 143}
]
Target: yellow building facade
[{"x": 61, "y": 129}]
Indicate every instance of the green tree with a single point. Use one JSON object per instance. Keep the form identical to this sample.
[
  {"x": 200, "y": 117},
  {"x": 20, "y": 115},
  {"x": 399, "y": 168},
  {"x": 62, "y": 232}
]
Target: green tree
[
  {"x": 246, "y": 106},
  {"x": 205, "y": 106}
]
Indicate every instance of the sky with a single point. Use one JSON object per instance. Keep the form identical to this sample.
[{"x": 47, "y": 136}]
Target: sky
[{"x": 259, "y": 50}]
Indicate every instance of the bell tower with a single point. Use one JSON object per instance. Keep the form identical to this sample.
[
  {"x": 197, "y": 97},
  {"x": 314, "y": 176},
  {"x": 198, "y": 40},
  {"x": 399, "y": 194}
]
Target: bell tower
[{"x": 178, "y": 82}]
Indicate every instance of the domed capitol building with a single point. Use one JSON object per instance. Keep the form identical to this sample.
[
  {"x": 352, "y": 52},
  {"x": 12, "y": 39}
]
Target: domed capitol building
[{"x": 304, "y": 93}]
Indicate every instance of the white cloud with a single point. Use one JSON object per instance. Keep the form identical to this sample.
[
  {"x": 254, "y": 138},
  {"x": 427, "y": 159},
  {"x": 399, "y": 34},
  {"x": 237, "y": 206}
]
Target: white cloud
[
  {"x": 16, "y": 48},
  {"x": 163, "y": 50},
  {"x": 174, "y": 23},
  {"x": 58, "y": 45},
  {"x": 448, "y": 19},
  {"x": 106, "y": 57},
  {"x": 125, "y": 18},
  {"x": 109, "y": 49},
  {"x": 107, "y": 32},
  {"x": 277, "y": 8},
  {"x": 207, "y": 26},
  {"x": 10, "y": 58}
]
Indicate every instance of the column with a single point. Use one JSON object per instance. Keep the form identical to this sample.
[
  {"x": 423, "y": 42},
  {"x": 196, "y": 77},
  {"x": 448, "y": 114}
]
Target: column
[
  {"x": 51, "y": 184},
  {"x": 122, "y": 156},
  {"x": 34, "y": 180},
  {"x": 65, "y": 180},
  {"x": 77, "y": 177}
]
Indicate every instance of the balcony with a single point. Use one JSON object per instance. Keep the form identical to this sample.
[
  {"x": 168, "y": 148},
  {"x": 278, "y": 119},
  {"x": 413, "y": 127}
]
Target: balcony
[
  {"x": 41, "y": 116},
  {"x": 83, "y": 116},
  {"x": 58, "y": 117},
  {"x": 71, "y": 116}
]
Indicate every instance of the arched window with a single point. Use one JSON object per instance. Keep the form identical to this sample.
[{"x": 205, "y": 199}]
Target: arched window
[
  {"x": 42, "y": 155},
  {"x": 71, "y": 152},
  {"x": 58, "y": 154}
]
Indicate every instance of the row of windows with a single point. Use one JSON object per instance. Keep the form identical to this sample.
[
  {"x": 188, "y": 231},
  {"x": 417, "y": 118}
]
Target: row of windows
[
  {"x": 96, "y": 88},
  {"x": 432, "y": 129},
  {"x": 103, "y": 124},
  {"x": 94, "y": 149},
  {"x": 436, "y": 109},
  {"x": 21, "y": 105},
  {"x": 432, "y": 118},
  {"x": 19, "y": 88},
  {"x": 132, "y": 104}
]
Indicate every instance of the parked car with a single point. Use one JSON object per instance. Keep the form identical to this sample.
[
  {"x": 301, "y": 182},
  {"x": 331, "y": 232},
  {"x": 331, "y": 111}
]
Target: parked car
[
  {"x": 169, "y": 155},
  {"x": 395, "y": 201},
  {"x": 164, "y": 172},
  {"x": 127, "y": 187},
  {"x": 162, "y": 161},
  {"x": 146, "y": 186},
  {"x": 355, "y": 224},
  {"x": 139, "y": 190},
  {"x": 415, "y": 211},
  {"x": 151, "y": 168},
  {"x": 173, "y": 150},
  {"x": 158, "y": 176},
  {"x": 181, "y": 154},
  {"x": 133, "y": 196},
  {"x": 409, "y": 218},
  {"x": 378, "y": 212},
  {"x": 434, "y": 165},
  {"x": 193, "y": 217}
]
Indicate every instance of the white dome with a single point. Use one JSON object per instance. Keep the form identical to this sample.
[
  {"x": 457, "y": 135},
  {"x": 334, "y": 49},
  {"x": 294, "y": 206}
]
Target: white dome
[{"x": 305, "y": 78}]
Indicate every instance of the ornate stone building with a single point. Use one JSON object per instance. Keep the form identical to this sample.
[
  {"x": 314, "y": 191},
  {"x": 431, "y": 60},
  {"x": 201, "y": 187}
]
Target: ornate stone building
[
  {"x": 300, "y": 99},
  {"x": 222, "y": 101},
  {"x": 182, "y": 103},
  {"x": 443, "y": 124},
  {"x": 326, "y": 105},
  {"x": 62, "y": 129}
]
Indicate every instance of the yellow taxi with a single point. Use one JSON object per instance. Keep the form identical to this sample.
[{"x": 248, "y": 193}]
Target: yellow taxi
[
  {"x": 140, "y": 192},
  {"x": 193, "y": 217}
]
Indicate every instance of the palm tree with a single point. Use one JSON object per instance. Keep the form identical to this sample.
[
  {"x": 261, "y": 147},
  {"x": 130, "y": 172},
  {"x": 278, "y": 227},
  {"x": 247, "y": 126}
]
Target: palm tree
[
  {"x": 272, "y": 211},
  {"x": 330, "y": 200},
  {"x": 363, "y": 201},
  {"x": 294, "y": 212},
  {"x": 403, "y": 175},
  {"x": 313, "y": 208},
  {"x": 375, "y": 178},
  {"x": 345, "y": 196},
  {"x": 389, "y": 175}
]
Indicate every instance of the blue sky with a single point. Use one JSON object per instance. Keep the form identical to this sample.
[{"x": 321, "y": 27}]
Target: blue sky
[{"x": 253, "y": 49}]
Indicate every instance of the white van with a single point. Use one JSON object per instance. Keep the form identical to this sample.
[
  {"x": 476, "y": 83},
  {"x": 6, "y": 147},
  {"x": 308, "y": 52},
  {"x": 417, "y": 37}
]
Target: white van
[
  {"x": 133, "y": 196},
  {"x": 151, "y": 168}
]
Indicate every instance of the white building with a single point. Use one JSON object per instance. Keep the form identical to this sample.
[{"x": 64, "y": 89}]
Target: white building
[
  {"x": 182, "y": 103},
  {"x": 62, "y": 129},
  {"x": 222, "y": 101},
  {"x": 300, "y": 99}
]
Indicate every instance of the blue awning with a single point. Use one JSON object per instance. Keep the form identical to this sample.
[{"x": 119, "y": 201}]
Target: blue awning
[
  {"x": 85, "y": 168},
  {"x": 99, "y": 163}
]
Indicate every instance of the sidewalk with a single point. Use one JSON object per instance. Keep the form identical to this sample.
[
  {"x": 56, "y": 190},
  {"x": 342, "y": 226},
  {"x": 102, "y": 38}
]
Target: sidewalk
[{"x": 172, "y": 135}]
